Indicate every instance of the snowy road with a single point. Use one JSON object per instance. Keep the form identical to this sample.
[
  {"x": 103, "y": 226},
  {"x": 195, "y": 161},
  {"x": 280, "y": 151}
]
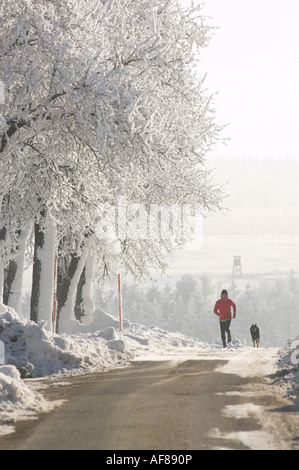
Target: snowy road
[{"x": 200, "y": 401}]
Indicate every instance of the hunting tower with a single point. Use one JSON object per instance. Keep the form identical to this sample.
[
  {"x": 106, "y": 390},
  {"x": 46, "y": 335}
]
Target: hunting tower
[{"x": 237, "y": 267}]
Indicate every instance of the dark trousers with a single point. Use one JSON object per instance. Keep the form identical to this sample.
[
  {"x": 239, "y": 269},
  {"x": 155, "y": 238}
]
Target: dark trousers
[{"x": 224, "y": 328}]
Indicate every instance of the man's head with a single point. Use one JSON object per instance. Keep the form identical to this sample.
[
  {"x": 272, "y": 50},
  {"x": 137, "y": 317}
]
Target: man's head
[{"x": 224, "y": 294}]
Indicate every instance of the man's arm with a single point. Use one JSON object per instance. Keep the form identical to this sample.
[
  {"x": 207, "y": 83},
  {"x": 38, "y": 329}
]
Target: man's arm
[
  {"x": 234, "y": 309},
  {"x": 216, "y": 309}
]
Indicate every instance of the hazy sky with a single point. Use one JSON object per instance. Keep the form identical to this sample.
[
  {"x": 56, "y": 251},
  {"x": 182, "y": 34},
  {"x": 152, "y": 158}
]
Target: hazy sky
[{"x": 252, "y": 62}]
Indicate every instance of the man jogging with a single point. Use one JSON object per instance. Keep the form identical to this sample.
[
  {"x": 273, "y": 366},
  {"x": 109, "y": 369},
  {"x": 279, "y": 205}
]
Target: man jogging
[{"x": 225, "y": 309}]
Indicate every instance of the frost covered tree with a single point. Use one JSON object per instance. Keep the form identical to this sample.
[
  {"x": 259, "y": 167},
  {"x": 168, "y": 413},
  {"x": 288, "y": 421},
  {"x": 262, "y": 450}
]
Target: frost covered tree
[{"x": 101, "y": 101}]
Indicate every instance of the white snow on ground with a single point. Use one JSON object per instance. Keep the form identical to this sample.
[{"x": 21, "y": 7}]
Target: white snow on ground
[
  {"x": 289, "y": 366},
  {"x": 263, "y": 362},
  {"x": 31, "y": 351},
  {"x": 252, "y": 362}
]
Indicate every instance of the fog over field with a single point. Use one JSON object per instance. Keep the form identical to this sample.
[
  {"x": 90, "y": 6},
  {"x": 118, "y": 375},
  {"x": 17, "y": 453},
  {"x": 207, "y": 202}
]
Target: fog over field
[{"x": 261, "y": 225}]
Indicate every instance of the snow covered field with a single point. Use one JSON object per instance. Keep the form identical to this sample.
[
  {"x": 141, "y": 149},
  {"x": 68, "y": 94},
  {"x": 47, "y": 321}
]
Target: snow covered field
[
  {"x": 32, "y": 351},
  {"x": 266, "y": 238}
]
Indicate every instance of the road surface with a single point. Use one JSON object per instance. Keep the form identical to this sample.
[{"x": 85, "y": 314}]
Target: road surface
[{"x": 176, "y": 403}]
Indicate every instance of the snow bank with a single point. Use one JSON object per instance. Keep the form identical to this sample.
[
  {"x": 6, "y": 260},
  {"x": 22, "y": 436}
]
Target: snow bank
[
  {"x": 289, "y": 366},
  {"x": 16, "y": 398},
  {"x": 37, "y": 352},
  {"x": 32, "y": 351}
]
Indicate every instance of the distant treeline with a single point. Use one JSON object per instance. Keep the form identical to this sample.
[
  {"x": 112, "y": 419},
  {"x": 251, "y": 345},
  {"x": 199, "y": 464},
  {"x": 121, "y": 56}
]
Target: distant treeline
[{"x": 187, "y": 306}]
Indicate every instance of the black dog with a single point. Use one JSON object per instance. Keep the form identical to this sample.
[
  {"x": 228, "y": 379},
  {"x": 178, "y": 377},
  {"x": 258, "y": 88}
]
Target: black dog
[{"x": 255, "y": 335}]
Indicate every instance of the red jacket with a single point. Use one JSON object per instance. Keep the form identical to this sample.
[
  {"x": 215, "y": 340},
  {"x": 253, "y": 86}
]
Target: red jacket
[{"x": 223, "y": 309}]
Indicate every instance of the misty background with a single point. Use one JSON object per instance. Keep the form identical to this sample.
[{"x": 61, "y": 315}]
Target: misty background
[{"x": 261, "y": 225}]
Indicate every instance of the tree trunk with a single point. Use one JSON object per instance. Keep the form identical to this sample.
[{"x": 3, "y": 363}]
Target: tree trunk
[
  {"x": 43, "y": 275},
  {"x": 85, "y": 307},
  {"x": 67, "y": 266},
  {"x": 9, "y": 276},
  {"x": 66, "y": 319},
  {"x": 79, "y": 309},
  {"x": 3, "y": 308},
  {"x": 12, "y": 295},
  {"x": 36, "y": 273}
]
